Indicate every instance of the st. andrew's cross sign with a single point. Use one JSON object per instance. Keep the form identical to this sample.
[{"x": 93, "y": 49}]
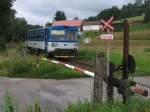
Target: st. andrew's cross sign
[{"x": 107, "y": 25}]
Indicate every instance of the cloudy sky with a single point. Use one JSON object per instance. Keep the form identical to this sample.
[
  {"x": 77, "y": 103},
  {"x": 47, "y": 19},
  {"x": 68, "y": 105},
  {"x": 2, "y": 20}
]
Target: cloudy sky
[{"x": 42, "y": 11}]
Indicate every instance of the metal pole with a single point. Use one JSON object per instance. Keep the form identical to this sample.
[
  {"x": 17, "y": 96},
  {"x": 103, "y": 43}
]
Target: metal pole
[
  {"x": 126, "y": 50},
  {"x": 108, "y": 54},
  {"x": 108, "y": 57},
  {"x": 110, "y": 92},
  {"x": 125, "y": 59}
]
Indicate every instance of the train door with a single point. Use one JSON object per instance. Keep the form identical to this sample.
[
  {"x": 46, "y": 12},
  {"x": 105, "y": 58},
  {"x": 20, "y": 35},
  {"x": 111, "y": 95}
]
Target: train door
[{"x": 46, "y": 40}]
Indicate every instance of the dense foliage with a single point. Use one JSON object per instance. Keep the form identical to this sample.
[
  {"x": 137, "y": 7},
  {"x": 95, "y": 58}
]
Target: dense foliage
[
  {"x": 147, "y": 11},
  {"x": 129, "y": 10},
  {"x": 11, "y": 28},
  {"x": 25, "y": 66},
  {"x": 6, "y": 20},
  {"x": 60, "y": 15}
]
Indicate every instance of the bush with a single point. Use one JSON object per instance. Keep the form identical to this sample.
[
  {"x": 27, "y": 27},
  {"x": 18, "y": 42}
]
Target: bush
[
  {"x": 146, "y": 49},
  {"x": 2, "y": 45},
  {"x": 147, "y": 15},
  {"x": 15, "y": 63},
  {"x": 134, "y": 105}
]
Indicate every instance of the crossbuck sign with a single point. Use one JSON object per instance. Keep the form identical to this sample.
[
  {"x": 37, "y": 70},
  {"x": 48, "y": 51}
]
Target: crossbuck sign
[{"x": 107, "y": 24}]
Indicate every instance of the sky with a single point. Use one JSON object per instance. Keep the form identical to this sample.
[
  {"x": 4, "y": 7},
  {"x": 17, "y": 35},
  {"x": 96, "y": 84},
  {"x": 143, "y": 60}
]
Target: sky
[{"x": 43, "y": 11}]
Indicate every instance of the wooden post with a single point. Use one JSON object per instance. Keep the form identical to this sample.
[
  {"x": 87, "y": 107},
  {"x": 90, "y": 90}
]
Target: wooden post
[
  {"x": 126, "y": 50},
  {"x": 125, "y": 59},
  {"x": 110, "y": 91},
  {"x": 100, "y": 73}
]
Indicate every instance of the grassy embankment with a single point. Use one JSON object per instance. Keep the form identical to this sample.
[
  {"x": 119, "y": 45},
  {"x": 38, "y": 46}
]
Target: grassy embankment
[
  {"x": 14, "y": 63},
  {"x": 136, "y": 18},
  {"x": 139, "y": 47}
]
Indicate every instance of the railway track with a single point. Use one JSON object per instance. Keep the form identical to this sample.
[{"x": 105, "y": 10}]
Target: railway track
[
  {"x": 91, "y": 67},
  {"x": 80, "y": 64}
]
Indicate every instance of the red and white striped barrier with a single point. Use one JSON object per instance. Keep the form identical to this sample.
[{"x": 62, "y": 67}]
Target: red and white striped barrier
[{"x": 71, "y": 67}]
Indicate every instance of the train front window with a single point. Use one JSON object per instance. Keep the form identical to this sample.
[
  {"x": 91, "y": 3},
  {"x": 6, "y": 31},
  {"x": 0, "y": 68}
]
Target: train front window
[
  {"x": 57, "y": 35},
  {"x": 71, "y": 35}
]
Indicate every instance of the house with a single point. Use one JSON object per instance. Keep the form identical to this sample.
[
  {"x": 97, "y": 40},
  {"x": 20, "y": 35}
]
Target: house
[
  {"x": 77, "y": 23},
  {"x": 91, "y": 26}
]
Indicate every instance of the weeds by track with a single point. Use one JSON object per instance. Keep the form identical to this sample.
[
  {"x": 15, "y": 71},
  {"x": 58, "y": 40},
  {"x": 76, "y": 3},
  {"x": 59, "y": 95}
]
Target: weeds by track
[
  {"x": 87, "y": 66},
  {"x": 77, "y": 63}
]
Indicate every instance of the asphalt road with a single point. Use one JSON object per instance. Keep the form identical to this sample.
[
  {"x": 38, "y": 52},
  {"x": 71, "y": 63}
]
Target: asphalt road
[{"x": 50, "y": 94}]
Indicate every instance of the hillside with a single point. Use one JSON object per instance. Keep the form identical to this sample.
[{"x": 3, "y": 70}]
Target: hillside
[{"x": 135, "y": 18}]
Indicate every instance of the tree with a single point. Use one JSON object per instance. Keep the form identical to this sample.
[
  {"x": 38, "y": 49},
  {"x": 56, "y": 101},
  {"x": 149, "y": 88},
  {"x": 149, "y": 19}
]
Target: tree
[
  {"x": 91, "y": 19},
  {"x": 147, "y": 15},
  {"x": 60, "y": 15},
  {"x": 107, "y": 13},
  {"x": 6, "y": 20},
  {"x": 76, "y": 18},
  {"x": 31, "y": 27},
  {"x": 48, "y": 24},
  {"x": 19, "y": 29}
]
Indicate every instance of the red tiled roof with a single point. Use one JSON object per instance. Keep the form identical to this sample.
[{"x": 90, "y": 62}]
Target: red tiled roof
[{"x": 68, "y": 23}]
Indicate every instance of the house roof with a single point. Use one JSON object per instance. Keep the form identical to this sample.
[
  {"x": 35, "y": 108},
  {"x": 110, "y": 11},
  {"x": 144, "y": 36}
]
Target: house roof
[
  {"x": 68, "y": 23},
  {"x": 86, "y": 23}
]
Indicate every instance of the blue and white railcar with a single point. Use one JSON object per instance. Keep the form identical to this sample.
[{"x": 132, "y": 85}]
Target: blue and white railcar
[{"x": 55, "y": 40}]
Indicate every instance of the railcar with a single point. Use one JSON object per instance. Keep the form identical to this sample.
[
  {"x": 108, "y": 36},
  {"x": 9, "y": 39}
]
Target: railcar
[{"x": 58, "y": 41}]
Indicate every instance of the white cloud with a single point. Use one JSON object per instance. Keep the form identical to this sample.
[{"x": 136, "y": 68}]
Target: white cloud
[{"x": 42, "y": 11}]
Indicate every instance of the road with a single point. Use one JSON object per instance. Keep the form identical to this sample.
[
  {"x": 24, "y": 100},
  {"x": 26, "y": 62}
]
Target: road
[{"x": 50, "y": 94}]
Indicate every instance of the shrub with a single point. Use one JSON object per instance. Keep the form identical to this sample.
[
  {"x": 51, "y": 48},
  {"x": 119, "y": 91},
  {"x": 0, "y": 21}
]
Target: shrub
[
  {"x": 19, "y": 64},
  {"x": 133, "y": 105},
  {"x": 146, "y": 49},
  {"x": 147, "y": 15}
]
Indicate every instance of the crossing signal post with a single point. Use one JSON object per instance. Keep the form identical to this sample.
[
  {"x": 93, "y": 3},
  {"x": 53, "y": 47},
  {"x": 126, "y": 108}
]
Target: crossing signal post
[
  {"x": 125, "y": 86},
  {"x": 108, "y": 28}
]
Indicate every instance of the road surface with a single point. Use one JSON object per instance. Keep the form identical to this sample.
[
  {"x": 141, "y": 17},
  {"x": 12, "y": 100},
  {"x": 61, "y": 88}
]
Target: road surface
[{"x": 50, "y": 94}]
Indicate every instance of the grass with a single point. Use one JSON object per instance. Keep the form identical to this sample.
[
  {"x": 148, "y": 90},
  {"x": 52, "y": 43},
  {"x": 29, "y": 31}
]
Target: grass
[
  {"x": 139, "y": 44},
  {"x": 140, "y": 27},
  {"x": 10, "y": 105},
  {"x": 146, "y": 49},
  {"x": 14, "y": 63},
  {"x": 141, "y": 56},
  {"x": 136, "y": 18},
  {"x": 134, "y": 105}
]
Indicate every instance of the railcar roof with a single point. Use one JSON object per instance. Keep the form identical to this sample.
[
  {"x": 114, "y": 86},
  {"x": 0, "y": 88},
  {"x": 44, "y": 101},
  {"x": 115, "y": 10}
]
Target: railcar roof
[{"x": 56, "y": 28}]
